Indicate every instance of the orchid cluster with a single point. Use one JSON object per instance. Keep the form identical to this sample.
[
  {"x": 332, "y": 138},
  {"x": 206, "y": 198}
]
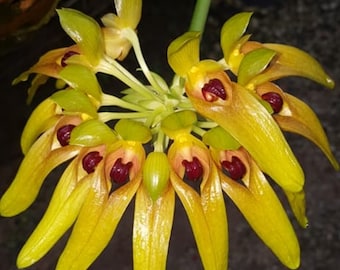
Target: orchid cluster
[{"x": 151, "y": 141}]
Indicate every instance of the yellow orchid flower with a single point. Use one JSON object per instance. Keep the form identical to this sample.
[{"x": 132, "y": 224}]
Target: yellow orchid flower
[
  {"x": 190, "y": 159},
  {"x": 43, "y": 156},
  {"x": 246, "y": 185},
  {"x": 230, "y": 105},
  {"x": 249, "y": 57},
  {"x": 203, "y": 135},
  {"x": 128, "y": 15}
]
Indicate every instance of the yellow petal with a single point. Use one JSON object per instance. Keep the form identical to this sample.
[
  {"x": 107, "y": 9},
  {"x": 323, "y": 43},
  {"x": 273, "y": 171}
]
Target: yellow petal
[
  {"x": 193, "y": 207},
  {"x": 152, "y": 228},
  {"x": 86, "y": 223},
  {"x": 183, "y": 52},
  {"x": 297, "y": 202},
  {"x": 264, "y": 212},
  {"x": 102, "y": 233},
  {"x": 293, "y": 62},
  {"x": 254, "y": 128},
  {"x": 301, "y": 119},
  {"x": 37, "y": 164},
  {"x": 53, "y": 225}
]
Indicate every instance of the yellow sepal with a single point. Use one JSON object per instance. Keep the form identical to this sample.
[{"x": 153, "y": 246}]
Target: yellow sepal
[
  {"x": 53, "y": 225},
  {"x": 291, "y": 61},
  {"x": 102, "y": 233},
  {"x": 300, "y": 118},
  {"x": 152, "y": 228},
  {"x": 86, "y": 222}
]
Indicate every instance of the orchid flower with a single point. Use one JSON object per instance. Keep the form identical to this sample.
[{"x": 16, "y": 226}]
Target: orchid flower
[{"x": 199, "y": 137}]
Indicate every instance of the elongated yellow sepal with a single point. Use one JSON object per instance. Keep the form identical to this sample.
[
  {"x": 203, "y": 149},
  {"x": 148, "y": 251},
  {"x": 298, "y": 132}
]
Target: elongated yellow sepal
[
  {"x": 199, "y": 224},
  {"x": 293, "y": 62},
  {"x": 86, "y": 223},
  {"x": 152, "y": 228},
  {"x": 215, "y": 212},
  {"x": 300, "y": 118},
  {"x": 53, "y": 225},
  {"x": 101, "y": 234}
]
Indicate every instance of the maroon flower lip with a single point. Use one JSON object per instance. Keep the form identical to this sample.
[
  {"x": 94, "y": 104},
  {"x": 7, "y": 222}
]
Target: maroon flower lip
[
  {"x": 91, "y": 160},
  {"x": 193, "y": 169},
  {"x": 275, "y": 101},
  {"x": 120, "y": 171},
  {"x": 213, "y": 90}
]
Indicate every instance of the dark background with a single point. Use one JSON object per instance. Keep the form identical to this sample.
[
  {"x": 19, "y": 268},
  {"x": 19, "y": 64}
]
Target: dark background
[{"x": 308, "y": 24}]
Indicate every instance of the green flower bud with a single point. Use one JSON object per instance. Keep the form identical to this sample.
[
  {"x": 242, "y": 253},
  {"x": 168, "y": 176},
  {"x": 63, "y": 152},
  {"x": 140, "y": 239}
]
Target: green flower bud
[{"x": 156, "y": 173}]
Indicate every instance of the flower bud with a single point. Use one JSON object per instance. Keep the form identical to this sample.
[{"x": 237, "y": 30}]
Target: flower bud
[{"x": 156, "y": 173}]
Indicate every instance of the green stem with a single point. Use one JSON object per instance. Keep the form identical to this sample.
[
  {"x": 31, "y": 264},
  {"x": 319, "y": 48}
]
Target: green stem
[{"x": 200, "y": 15}]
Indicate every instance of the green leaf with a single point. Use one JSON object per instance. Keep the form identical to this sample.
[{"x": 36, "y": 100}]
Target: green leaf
[
  {"x": 219, "y": 138},
  {"x": 253, "y": 64},
  {"x": 73, "y": 100},
  {"x": 232, "y": 31},
  {"x": 92, "y": 133},
  {"x": 85, "y": 31},
  {"x": 131, "y": 130},
  {"x": 81, "y": 78}
]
